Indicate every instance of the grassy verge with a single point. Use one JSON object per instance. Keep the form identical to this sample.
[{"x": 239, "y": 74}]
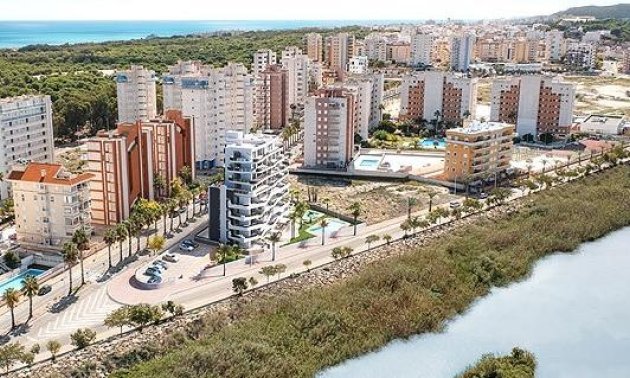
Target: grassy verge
[
  {"x": 519, "y": 363},
  {"x": 296, "y": 335}
]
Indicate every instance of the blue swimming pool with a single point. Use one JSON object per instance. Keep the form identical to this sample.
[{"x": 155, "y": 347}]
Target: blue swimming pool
[
  {"x": 333, "y": 225},
  {"x": 433, "y": 143},
  {"x": 369, "y": 163},
  {"x": 16, "y": 282}
]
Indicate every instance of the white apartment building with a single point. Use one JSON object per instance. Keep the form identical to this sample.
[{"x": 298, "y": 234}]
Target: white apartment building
[
  {"x": 581, "y": 55},
  {"x": 218, "y": 99},
  {"x": 536, "y": 104},
  {"x": 263, "y": 59},
  {"x": 254, "y": 199},
  {"x": 135, "y": 90},
  {"x": 425, "y": 94},
  {"x": 50, "y": 204},
  {"x": 368, "y": 92},
  {"x": 555, "y": 45},
  {"x": 375, "y": 47},
  {"x": 358, "y": 65},
  {"x": 462, "y": 48},
  {"x": 26, "y": 129},
  {"x": 421, "y": 48},
  {"x": 297, "y": 66},
  {"x": 329, "y": 129}
]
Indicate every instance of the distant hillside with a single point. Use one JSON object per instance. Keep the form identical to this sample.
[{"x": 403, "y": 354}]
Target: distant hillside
[{"x": 599, "y": 12}]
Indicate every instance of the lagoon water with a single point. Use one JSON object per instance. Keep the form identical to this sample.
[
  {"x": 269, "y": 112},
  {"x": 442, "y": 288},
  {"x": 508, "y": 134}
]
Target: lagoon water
[
  {"x": 573, "y": 313},
  {"x": 15, "y": 34}
]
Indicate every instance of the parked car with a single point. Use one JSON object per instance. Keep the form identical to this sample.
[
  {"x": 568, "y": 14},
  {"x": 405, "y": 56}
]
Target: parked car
[
  {"x": 160, "y": 263},
  {"x": 455, "y": 204},
  {"x": 155, "y": 279},
  {"x": 191, "y": 242},
  {"x": 483, "y": 195},
  {"x": 171, "y": 257},
  {"x": 152, "y": 271},
  {"x": 44, "y": 290}
]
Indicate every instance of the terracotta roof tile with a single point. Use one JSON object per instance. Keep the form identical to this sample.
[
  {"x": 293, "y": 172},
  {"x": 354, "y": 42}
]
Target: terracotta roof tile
[{"x": 47, "y": 173}]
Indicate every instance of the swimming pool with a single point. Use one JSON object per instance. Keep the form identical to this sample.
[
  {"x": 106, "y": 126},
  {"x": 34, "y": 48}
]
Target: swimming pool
[
  {"x": 16, "y": 282},
  {"x": 369, "y": 163},
  {"x": 433, "y": 143},
  {"x": 311, "y": 215},
  {"x": 333, "y": 225}
]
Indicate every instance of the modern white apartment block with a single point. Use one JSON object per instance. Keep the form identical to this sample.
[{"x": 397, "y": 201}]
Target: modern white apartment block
[
  {"x": 358, "y": 65},
  {"x": 314, "y": 44},
  {"x": 297, "y": 66},
  {"x": 421, "y": 48},
  {"x": 555, "y": 45},
  {"x": 329, "y": 129},
  {"x": 263, "y": 59},
  {"x": 430, "y": 94},
  {"x": 462, "y": 48},
  {"x": 26, "y": 129},
  {"x": 254, "y": 199},
  {"x": 581, "y": 55},
  {"x": 135, "y": 90},
  {"x": 218, "y": 99},
  {"x": 535, "y": 104},
  {"x": 50, "y": 204}
]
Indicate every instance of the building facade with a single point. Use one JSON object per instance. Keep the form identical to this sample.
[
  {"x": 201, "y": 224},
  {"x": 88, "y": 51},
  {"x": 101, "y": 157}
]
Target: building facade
[
  {"x": 272, "y": 98},
  {"x": 126, "y": 161},
  {"x": 254, "y": 201},
  {"x": 581, "y": 56},
  {"x": 462, "y": 48},
  {"x": 535, "y": 104},
  {"x": 218, "y": 99},
  {"x": 421, "y": 48},
  {"x": 135, "y": 90},
  {"x": 430, "y": 94},
  {"x": 51, "y": 204},
  {"x": 329, "y": 129},
  {"x": 263, "y": 59},
  {"x": 26, "y": 129},
  {"x": 478, "y": 150},
  {"x": 555, "y": 45},
  {"x": 314, "y": 45},
  {"x": 298, "y": 67},
  {"x": 338, "y": 51}
]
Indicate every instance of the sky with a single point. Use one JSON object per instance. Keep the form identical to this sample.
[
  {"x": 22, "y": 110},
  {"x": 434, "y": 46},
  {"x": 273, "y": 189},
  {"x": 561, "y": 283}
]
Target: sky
[{"x": 281, "y": 9}]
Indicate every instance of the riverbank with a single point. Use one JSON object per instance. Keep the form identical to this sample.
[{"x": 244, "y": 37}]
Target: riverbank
[
  {"x": 382, "y": 296},
  {"x": 298, "y": 334}
]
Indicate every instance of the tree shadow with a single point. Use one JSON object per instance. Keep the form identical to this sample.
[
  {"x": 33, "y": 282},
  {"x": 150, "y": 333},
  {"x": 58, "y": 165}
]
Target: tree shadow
[{"x": 64, "y": 303}]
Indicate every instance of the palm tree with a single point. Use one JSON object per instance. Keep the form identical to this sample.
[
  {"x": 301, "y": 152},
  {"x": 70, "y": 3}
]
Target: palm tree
[
  {"x": 121, "y": 236},
  {"x": 11, "y": 297},
  {"x": 326, "y": 201},
  {"x": 293, "y": 216},
  {"x": 431, "y": 195},
  {"x": 273, "y": 239},
  {"x": 110, "y": 238},
  {"x": 388, "y": 238},
  {"x": 356, "y": 210},
  {"x": 31, "y": 288},
  {"x": 224, "y": 250},
  {"x": 405, "y": 226},
  {"x": 300, "y": 209},
  {"x": 371, "y": 239},
  {"x": 70, "y": 258},
  {"x": 411, "y": 202},
  {"x": 82, "y": 240},
  {"x": 323, "y": 224},
  {"x": 186, "y": 174}
]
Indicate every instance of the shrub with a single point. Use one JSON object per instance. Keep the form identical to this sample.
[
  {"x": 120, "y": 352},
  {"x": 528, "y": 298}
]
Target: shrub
[{"x": 82, "y": 337}]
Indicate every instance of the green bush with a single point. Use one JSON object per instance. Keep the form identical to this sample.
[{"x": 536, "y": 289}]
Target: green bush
[{"x": 519, "y": 364}]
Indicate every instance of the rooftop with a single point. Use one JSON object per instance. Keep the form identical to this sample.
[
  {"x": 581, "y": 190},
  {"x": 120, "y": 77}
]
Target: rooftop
[
  {"x": 602, "y": 124},
  {"x": 476, "y": 127},
  {"x": 45, "y": 173}
]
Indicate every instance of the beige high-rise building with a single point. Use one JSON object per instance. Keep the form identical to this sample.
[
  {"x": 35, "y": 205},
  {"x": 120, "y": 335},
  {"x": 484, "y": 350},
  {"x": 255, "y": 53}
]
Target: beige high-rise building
[
  {"x": 50, "y": 204},
  {"x": 477, "y": 150},
  {"x": 399, "y": 52},
  {"x": 329, "y": 129},
  {"x": 535, "y": 104},
  {"x": 555, "y": 45},
  {"x": 263, "y": 59},
  {"x": 135, "y": 90},
  {"x": 421, "y": 47},
  {"x": 314, "y": 46},
  {"x": 272, "y": 98},
  {"x": 430, "y": 94},
  {"x": 218, "y": 99},
  {"x": 26, "y": 129},
  {"x": 298, "y": 66},
  {"x": 339, "y": 49}
]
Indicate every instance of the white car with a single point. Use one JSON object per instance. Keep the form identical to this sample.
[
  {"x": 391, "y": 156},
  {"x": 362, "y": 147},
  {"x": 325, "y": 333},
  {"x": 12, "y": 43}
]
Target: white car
[{"x": 171, "y": 257}]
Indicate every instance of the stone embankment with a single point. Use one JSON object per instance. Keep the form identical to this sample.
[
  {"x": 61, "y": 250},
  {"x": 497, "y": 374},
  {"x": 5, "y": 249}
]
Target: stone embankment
[{"x": 100, "y": 359}]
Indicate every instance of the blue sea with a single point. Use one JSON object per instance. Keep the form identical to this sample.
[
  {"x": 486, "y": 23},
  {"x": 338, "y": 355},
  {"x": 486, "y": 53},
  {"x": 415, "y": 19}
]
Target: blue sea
[{"x": 16, "y": 34}]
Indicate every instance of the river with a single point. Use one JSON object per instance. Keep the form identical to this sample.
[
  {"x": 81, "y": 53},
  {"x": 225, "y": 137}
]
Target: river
[{"x": 573, "y": 313}]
